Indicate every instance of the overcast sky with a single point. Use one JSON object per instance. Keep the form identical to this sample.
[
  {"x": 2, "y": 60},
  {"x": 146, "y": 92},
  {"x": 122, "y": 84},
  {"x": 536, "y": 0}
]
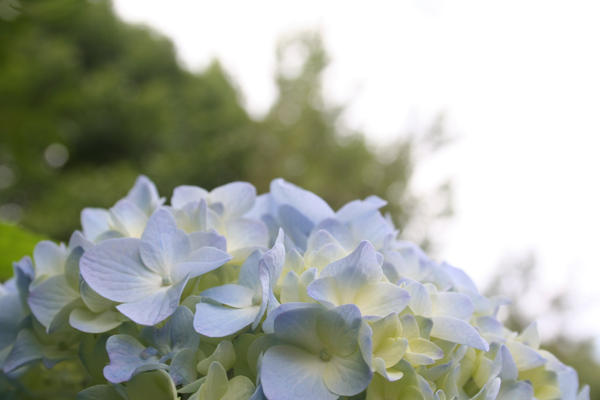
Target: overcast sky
[{"x": 519, "y": 81}]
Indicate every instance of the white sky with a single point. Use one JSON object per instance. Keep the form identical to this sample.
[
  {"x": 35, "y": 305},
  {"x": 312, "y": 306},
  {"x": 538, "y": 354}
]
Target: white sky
[{"x": 518, "y": 79}]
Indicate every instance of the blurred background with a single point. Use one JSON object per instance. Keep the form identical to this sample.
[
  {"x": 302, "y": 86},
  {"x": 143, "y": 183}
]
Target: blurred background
[{"x": 476, "y": 120}]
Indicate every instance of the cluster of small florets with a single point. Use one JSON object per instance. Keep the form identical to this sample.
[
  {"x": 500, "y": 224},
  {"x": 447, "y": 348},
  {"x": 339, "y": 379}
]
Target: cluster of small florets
[{"x": 229, "y": 295}]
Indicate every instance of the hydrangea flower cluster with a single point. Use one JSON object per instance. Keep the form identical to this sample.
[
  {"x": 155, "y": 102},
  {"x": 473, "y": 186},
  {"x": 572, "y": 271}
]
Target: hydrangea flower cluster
[{"x": 229, "y": 295}]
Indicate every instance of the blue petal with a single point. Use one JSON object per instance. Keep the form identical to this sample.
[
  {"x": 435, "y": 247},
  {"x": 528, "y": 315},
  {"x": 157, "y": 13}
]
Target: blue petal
[
  {"x": 237, "y": 198},
  {"x": 307, "y": 203},
  {"x": 268, "y": 325},
  {"x": 128, "y": 219},
  {"x": 296, "y": 225},
  {"x": 359, "y": 267},
  {"x": 290, "y": 373},
  {"x": 246, "y": 235},
  {"x": 208, "y": 239},
  {"x": 218, "y": 321},
  {"x": 163, "y": 245},
  {"x": 231, "y": 295},
  {"x": 49, "y": 258},
  {"x": 183, "y": 367},
  {"x": 274, "y": 258},
  {"x": 298, "y": 326},
  {"x": 199, "y": 262},
  {"x": 48, "y": 298},
  {"x": 183, "y": 195},
  {"x": 450, "y": 304},
  {"x": 25, "y": 350},
  {"x": 177, "y": 333},
  {"x": 153, "y": 308},
  {"x": 516, "y": 391},
  {"x": 126, "y": 356},
  {"x": 144, "y": 195},
  {"x": 95, "y": 222},
  {"x": 358, "y": 208},
  {"x": 114, "y": 269},
  {"x": 347, "y": 376}
]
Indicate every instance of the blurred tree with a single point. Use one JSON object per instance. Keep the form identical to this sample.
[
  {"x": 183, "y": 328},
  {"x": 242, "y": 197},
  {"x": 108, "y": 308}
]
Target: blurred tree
[{"x": 88, "y": 102}]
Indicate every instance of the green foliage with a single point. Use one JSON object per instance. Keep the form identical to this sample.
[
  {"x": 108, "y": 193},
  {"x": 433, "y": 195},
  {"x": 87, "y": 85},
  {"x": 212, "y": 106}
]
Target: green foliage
[{"x": 15, "y": 242}]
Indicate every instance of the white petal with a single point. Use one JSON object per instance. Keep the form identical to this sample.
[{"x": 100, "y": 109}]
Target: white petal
[
  {"x": 289, "y": 373},
  {"x": 114, "y": 269}
]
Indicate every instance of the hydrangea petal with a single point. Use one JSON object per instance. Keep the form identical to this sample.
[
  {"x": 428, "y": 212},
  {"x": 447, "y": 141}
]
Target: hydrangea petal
[
  {"x": 290, "y": 373},
  {"x": 95, "y": 222},
  {"x": 231, "y": 294},
  {"x": 515, "y": 391},
  {"x": 144, "y": 195},
  {"x": 128, "y": 219},
  {"x": 237, "y": 198},
  {"x": 457, "y": 331},
  {"x": 154, "y": 307},
  {"x": 381, "y": 299},
  {"x": 163, "y": 245},
  {"x": 450, "y": 304},
  {"x": 48, "y": 298},
  {"x": 359, "y": 267},
  {"x": 347, "y": 376},
  {"x": 307, "y": 203},
  {"x": 524, "y": 356},
  {"x": 177, "y": 333},
  {"x": 298, "y": 326},
  {"x": 183, "y": 367},
  {"x": 114, "y": 269},
  {"x": 25, "y": 350},
  {"x": 185, "y": 194},
  {"x": 126, "y": 356},
  {"x": 296, "y": 225},
  {"x": 246, "y": 235},
  {"x": 199, "y": 262},
  {"x": 49, "y": 258},
  {"x": 207, "y": 239},
  {"x": 218, "y": 321}
]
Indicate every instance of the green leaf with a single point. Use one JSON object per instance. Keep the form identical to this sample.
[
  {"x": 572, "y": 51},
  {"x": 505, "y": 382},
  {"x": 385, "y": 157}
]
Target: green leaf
[
  {"x": 15, "y": 242},
  {"x": 153, "y": 385}
]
